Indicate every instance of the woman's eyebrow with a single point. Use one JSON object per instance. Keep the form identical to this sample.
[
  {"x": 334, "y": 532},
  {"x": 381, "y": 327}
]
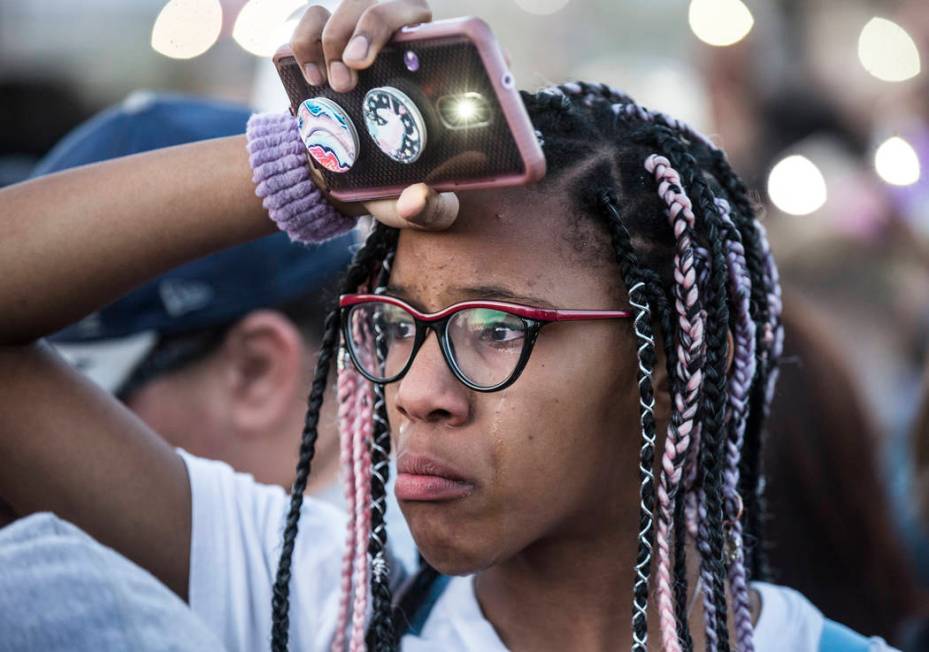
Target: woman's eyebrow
[
  {"x": 503, "y": 294},
  {"x": 493, "y": 292}
]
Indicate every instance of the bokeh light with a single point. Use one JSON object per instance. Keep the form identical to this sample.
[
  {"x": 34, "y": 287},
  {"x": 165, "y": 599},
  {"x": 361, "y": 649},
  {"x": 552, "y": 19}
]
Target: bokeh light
[
  {"x": 186, "y": 29},
  {"x": 887, "y": 51},
  {"x": 262, "y": 26},
  {"x": 542, "y": 7},
  {"x": 720, "y": 22},
  {"x": 896, "y": 162},
  {"x": 796, "y": 186}
]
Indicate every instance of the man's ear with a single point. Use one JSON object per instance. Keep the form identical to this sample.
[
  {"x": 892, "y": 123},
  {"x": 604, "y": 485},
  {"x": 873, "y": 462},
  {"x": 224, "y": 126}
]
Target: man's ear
[{"x": 264, "y": 359}]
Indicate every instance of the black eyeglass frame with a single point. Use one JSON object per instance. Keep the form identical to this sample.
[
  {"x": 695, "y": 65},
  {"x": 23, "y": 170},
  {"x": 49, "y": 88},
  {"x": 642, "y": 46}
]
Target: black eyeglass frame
[{"x": 533, "y": 319}]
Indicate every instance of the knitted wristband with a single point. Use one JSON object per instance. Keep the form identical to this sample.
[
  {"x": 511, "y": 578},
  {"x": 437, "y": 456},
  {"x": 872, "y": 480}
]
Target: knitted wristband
[{"x": 281, "y": 174}]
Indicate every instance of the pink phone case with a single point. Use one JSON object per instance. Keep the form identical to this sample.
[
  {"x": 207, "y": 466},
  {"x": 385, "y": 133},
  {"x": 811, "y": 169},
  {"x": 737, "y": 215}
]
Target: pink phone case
[{"x": 505, "y": 152}]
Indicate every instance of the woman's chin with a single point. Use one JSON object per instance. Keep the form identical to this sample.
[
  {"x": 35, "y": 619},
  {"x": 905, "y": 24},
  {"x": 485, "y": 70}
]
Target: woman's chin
[
  {"x": 453, "y": 555},
  {"x": 454, "y": 562}
]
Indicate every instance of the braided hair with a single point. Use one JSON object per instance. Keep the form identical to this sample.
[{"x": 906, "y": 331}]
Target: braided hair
[{"x": 696, "y": 266}]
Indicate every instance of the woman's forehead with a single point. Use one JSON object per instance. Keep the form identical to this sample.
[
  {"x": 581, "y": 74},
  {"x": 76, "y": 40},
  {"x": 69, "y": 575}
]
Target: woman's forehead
[{"x": 518, "y": 239}]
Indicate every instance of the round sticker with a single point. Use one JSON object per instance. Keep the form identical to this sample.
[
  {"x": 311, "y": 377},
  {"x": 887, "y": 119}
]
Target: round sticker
[
  {"x": 395, "y": 124},
  {"x": 328, "y": 133}
]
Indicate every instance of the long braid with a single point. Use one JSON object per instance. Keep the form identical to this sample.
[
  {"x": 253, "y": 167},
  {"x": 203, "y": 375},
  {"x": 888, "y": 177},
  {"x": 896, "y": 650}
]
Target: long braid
[
  {"x": 361, "y": 462},
  {"x": 374, "y": 250},
  {"x": 638, "y": 298},
  {"x": 347, "y": 386},
  {"x": 280, "y": 602},
  {"x": 740, "y": 380},
  {"x": 382, "y": 626},
  {"x": 659, "y": 300},
  {"x": 751, "y": 483},
  {"x": 688, "y": 377},
  {"x": 710, "y": 533}
]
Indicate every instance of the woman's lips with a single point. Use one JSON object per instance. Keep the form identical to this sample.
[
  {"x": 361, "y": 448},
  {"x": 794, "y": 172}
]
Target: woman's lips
[{"x": 421, "y": 478}]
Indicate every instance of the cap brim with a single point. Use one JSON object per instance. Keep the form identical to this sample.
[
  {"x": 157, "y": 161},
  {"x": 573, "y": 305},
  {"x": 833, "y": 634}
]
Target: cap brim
[{"x": 108, "y": 363}]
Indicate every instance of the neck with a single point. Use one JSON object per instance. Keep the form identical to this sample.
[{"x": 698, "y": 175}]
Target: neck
[
  {"x": 559, "y": 594},
  {"x": 576, "y": 594}
]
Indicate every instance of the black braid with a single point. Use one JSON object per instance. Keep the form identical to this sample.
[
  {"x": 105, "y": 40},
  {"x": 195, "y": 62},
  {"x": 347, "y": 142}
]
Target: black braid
[
  {"x": 367, "y": 257},
  {"x": 381, "y": 635},
  {"x": 280, "y": 603},
  {"x": 638, "y": 295},
  {"x": 713, "y": 430},
  {"x": 659, "y": 299}
]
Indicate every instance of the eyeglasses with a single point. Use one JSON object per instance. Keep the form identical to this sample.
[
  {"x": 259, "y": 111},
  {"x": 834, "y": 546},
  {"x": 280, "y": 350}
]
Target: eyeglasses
[{"x": 486, "y": 344}]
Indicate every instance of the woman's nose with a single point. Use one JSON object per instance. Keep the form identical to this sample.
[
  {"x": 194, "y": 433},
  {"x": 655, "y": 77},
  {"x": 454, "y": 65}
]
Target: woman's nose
[{"x": 430, "y": 392}]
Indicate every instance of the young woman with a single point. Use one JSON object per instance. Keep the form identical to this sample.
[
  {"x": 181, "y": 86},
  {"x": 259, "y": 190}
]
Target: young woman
[{"x": 573, "y": 377}]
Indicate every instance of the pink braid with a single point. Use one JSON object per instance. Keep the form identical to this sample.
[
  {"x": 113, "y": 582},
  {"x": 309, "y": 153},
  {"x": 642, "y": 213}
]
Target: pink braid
[
  {"x": 348, "y": 382},
  {"x": 361, "y": 461},
  {"x": 686, "y": 399}
]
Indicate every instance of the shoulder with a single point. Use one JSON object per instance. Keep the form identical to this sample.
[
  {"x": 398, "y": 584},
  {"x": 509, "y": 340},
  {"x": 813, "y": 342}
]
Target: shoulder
[
  {"x": 789, "y": 621},
  {"x": 61, "y": 589},
  {"x": 218, "y": 490}
]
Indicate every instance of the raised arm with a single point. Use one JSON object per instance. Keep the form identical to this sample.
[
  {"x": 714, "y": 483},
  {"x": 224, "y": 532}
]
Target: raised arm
[
  {"x": 76, "y": 240},
  {"x": 73, "y": 242}
]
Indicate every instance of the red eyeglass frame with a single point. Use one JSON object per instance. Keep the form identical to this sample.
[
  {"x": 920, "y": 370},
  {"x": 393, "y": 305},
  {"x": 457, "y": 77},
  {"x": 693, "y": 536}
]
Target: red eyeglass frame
[{"x": 534, "y": 319}]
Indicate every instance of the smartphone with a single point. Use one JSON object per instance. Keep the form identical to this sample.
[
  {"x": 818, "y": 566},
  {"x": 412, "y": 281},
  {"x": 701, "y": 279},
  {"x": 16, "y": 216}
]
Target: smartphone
[{"x": 438, "y": 106}]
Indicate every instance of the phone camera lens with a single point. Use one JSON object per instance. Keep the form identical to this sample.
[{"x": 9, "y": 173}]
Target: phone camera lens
[
  {"x": 411, "y": 60},
  {"x": 507, "y": 80}
]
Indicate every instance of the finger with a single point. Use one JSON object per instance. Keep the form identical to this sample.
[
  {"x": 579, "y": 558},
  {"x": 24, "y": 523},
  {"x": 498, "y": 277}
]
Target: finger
[
  {"x": 335, "y": 37},
  {"x": 418, "y": 207},
  {"x": 306, "y": 44},
  {"x": 377, "y": 25}
]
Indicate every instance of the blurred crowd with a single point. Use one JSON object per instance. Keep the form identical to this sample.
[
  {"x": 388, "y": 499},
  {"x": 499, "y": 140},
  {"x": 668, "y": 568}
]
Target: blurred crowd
[{"x": 795, "y": 102}]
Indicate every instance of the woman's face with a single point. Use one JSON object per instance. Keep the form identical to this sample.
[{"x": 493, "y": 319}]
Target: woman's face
[{"x": 555, "y": 454}]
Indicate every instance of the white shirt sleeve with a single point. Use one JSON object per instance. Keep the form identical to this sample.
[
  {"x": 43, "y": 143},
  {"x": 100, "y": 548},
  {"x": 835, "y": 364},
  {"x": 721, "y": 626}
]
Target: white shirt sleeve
[{"x": 236, "y": 531}]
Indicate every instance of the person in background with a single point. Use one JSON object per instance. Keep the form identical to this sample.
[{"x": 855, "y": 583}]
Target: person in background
[
  {"x": 216, "y": 355},
  {"x": 829, "y": 532}
]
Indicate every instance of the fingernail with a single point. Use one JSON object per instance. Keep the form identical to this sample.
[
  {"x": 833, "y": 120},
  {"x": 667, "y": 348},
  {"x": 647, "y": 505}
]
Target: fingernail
[
  {"x": 313, "y": 74},
  {"x": 339, "y": 76},
  {"x": 410, "y": 203},
  {"x": 357, "y": 49}
]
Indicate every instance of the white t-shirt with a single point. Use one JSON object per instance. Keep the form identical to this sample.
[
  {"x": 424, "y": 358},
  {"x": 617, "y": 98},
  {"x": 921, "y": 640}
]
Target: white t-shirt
[{"x": 235, "y": 546}]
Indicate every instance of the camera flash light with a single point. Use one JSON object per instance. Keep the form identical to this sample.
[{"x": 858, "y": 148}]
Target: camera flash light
[{"x": 464, "y": 111}]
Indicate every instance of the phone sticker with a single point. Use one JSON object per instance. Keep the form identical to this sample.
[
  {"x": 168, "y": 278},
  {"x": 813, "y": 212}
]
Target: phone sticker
[
  {"x": 395, "y": 123},
  {"x": 328, "y": 133}
]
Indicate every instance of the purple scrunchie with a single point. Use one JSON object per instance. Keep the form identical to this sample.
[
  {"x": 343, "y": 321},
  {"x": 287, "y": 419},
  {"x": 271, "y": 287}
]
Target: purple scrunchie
[{"x": 282, "y": 177}]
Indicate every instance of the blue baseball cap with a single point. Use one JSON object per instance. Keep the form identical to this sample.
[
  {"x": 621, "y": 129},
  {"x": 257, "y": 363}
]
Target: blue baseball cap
[{"x": 206, "y": 293}]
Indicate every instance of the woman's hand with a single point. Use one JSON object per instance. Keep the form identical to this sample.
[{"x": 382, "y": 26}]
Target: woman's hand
[{"x": 334, "y": 47}]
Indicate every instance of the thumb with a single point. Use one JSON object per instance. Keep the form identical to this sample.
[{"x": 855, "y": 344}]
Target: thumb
[{"x": 418, "y": 207}]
